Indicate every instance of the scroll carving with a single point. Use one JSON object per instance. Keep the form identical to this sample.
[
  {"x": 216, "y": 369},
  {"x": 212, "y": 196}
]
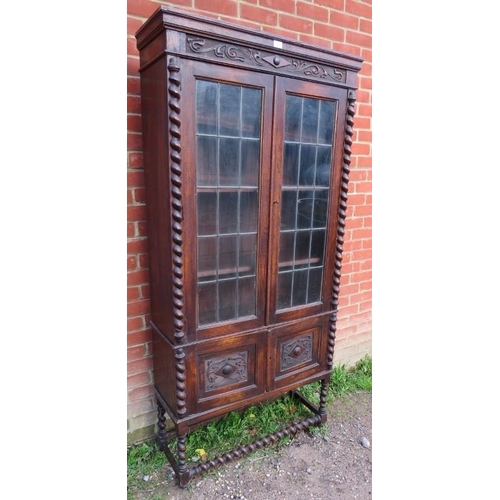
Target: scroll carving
[
  {"x": 225, "y": 370},
  {"x": 344, "y": 185},
  {"x": 247, "y": 55},
  {"x": 296, "y": 351}
]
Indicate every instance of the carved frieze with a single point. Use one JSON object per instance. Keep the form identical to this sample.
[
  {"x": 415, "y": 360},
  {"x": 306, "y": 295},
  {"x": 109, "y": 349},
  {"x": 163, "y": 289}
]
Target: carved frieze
[
  {"x": 225, "y": 370},
  {"x": 220, "y": 50},
  {"x": 296, "y": 351}
]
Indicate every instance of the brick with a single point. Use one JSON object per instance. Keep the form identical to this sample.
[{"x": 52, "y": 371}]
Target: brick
[
  {"x": 136, "y": 278},
  {"x": 363, "y": 96},
  {"x": 138, "y": 245},
  {"x": 142, "y": 428},
  {"x": 130, "y": 197},
  {"x": 362, "y": 276},
  {"x": 138, "y": 307},
  {"x": 131, "y": 262},
  {"x": 143, "y": 8},
  {"x": 133, "y": 104},
  {"x": 343, "y": 301},
  {"x": 136, "y": 352},
  {"x": 363, "y": 210},
  {"x": 359, "y": 39},
  {"x": 365, "y": 110},
  {"x": 133, "y": 25},
  {"x": 348, "y": 290},
  {"x": 364, "y": 161},
  {"x": 343, "y": 336},
  {"x": 140, "y": 337},
  {"x": 316, "y": 12},
  {"x": 149, "y": 348},
  {"x": 365, "y": 136},
  {"x": 135, "y": 160},
  {"x": 366, "y": 69},
  {"x": 365, "y": 306},
  {"x": 282, "y": 5},
  {"x": 363, "y": 187},
  {"x": 351, "y": 246},
  {"x": 134, "y": 141},
  {"x": 284, "y": 33},
  {"x": 315, "y": 41},
  {"x": 139, "y": 195},
  {"x": 330, "y": 32},
  {"x": 138, "y": 380},
  {"x": 144, "y": 291},
  {"x": 143, "y": 260},
  {"x": 241, "y": 22},
  {"x": 294, "y": 23},
  {"x": 349, "y": 267},
  {"x": 367, "y": 264},
  {"x": 350, "y": 49},
  {"x": 357, "y": 175},
  {"x": 132, "y": 65},
  {"x": 133, "y": 293},
  {"x": 136, "y": 212},
  {"x": 365, "y": 285},
  {"x": 365, "y": 82},
  {"x": 333, "y": 4},
  {"x": 134, "y": 123},
  {"x": 140, "y": 407},
  {"x": 358, "y": 8},
  {"x": 362, "y": 233},
  {"x": 227, "y": 7},
  {"x": 361, "y": 297},
  {"x": 138, "y": 393},
  {"x": 360, "y": 122},
  {"x": 258, "y": 14},
  {"x": 344, "y": 20},
  {"x": 361, "y": 254},
  {"x": 367, "y": 55},
  {"x": 133, "y": 85},
  {"x": 360, "y": 149},
  {"x": 139, "y": 366},
  {"x": 349, "y": 311},
  {"x": 135, "y": 323},
  {"x": 356, "y": 199},
  {"x": 130, "y": 230},
  {"x": 142, "y": 228},
  {"x": 132, "y": 46},
  {"x": 135, "y": 178},
  {"x": 360, "y": 317},
  {"x": 365, "y": 26}
]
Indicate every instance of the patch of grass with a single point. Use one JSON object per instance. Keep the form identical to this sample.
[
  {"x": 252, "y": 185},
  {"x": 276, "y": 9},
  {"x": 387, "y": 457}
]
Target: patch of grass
[
  {"x": 237, "y": 429},
  {"x": 358, "y": 377},
  {"x": 142, "y": 460}
]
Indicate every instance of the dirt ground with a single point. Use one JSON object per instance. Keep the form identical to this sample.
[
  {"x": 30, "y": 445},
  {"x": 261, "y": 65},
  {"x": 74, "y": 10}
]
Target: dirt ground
[{"x": 336, "y": 463}]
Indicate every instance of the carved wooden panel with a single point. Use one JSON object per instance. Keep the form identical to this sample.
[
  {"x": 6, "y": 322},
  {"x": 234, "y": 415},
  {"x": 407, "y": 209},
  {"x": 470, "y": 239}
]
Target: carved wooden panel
[
  {"x": 222, "y": 50},
  {"x": 296, "y": 351},
  {"x": 299, "y": 351},
  {"x": 225, "y": 370}
]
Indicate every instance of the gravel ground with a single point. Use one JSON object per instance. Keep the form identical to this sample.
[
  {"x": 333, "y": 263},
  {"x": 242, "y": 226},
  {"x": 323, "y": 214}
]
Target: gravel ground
[{"x": 336, "y": 463}]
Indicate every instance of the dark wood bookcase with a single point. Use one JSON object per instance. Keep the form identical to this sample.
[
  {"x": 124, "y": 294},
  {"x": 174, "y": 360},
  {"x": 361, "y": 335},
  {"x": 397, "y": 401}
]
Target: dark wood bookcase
[{"x": 247, "y": 140}]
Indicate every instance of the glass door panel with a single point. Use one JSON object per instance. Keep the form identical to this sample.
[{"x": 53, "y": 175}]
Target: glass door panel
[
  {"x": 307, "y": 158},
  {"x": 228, "y": 142}
]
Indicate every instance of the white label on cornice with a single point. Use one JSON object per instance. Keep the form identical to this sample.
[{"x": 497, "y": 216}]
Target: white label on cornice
[{"x": 277, "y": 44}]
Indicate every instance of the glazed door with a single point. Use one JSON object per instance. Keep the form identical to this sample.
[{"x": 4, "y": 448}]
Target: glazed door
[
  {"x": 307, "y": 157},
  {"x": 230, "y": 187}
]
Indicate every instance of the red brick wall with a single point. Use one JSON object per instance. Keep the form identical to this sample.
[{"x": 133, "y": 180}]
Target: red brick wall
[{"x": 343, "y": 25}]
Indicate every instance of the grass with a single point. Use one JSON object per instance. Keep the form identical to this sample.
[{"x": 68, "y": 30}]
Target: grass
[{"x": 242, "y": 428}]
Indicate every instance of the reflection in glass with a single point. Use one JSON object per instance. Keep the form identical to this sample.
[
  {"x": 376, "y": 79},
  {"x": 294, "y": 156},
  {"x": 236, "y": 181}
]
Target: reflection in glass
[
  {"x": 228, "y": 125},
  {"x": 307, "y": 159}
]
